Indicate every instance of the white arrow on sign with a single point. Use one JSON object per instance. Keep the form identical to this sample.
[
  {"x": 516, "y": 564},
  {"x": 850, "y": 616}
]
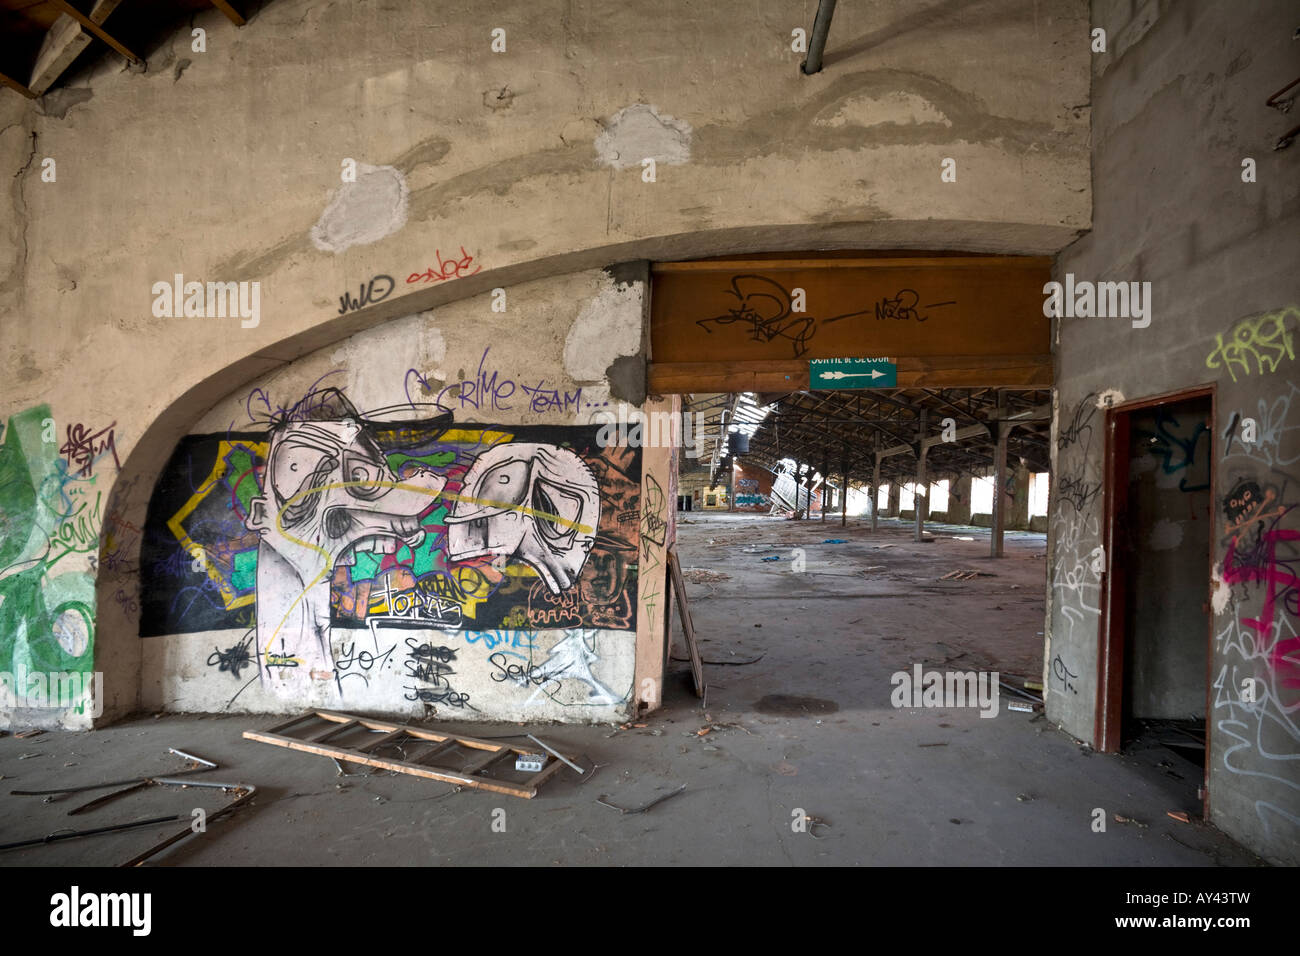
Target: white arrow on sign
[{"x": 833, "y": 376}]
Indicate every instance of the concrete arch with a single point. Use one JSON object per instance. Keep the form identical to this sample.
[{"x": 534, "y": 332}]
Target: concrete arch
[{"x": 117, "y": 644}]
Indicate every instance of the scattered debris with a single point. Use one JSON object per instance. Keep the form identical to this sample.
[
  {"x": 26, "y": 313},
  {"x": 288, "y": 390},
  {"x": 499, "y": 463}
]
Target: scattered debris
[
  {"x": 704, "y": 575},
  {"x": 775, "y": 557},
  {"x": 1033, "y": 685},
  {"x": 557, "y": 755},
  {"x": 1024, "y": 797},
  {"x": 812, "y": 822},
  {"x": 1021, "y": 706},
  {"x": 942, "y": 743},
  {"x": 653, "y": 803},
  {"x": 1136, "y": 823},
  {"x": 834, "y": 541},
  {"x": 1179, "y": 815},
  {"x": 530, "y": 763},
  {"x": 874, "y": 567},
  {"x": 965, "y": 574},
  {"x": 752, "y": 660},
  {"x": 23, "y": 735}
]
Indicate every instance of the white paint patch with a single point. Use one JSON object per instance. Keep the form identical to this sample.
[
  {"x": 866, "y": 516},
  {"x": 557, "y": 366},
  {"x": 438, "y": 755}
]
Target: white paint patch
[
  {"x": 433, "y": 347},
  {"x": 1110, "y": 397},
  {"x": 1222, "y": 592},
  {"x": 609, "y": 326},
  {"x": 901, "y": 109},
  {"x": 363, "y": 212},
  {"x": 376, "y": 362},
  {"x": 1166, "y": 535},
  {"x": 639, "y": 132}
]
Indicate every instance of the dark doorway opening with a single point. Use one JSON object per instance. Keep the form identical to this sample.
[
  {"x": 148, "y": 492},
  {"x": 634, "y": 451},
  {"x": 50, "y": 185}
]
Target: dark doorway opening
[{"x": 1155, "y": 655}]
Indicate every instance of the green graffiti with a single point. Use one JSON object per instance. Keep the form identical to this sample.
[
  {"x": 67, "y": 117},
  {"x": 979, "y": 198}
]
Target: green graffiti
[{"x": 47, "y": 614}]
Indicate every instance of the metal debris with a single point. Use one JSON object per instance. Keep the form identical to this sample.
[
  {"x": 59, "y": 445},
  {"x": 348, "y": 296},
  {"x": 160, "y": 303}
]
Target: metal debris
[{"x": 653, "y": 803}]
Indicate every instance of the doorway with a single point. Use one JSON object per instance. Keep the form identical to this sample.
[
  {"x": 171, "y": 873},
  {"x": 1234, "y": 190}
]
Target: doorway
[{"x": 1153, "y": 667}]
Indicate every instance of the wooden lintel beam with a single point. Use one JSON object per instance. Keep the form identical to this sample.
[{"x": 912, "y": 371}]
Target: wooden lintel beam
[
  {"x": 934, "y": 371},
  {"x": 95, "y": 28}
]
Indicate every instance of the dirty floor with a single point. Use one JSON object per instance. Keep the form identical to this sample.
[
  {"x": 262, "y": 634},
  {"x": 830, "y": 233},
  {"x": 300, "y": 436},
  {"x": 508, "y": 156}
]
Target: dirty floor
[{"x": 797, "y": 725}]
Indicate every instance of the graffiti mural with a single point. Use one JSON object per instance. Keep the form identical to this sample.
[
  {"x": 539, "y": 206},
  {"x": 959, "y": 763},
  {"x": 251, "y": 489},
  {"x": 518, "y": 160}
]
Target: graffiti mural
[
  {"x": 51, "y": 509},
  {"x": 331, "y": 521}
]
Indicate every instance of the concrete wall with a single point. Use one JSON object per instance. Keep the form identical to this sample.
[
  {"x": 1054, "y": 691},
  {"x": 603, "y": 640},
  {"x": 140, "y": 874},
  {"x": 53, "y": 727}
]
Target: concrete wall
[
  {"x": 1178, "y": 104},
  {"x": 474, "y": 170}
]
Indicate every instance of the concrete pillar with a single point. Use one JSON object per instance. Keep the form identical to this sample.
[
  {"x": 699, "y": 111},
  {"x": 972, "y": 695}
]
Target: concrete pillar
[
  {"x": 895, "y": 500},
  {"x": 999, "y": 489},
  {"x": 959, "y": 500},
  {"x": 1018, "y": 500},
  {"x": 875, "y": 486}
]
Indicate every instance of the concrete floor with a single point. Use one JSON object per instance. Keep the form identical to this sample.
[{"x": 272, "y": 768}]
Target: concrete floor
[{"x": 809, "y": 726}]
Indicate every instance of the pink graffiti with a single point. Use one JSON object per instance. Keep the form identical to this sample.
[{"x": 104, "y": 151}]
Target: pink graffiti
[{"x": 1284, "y": 653}]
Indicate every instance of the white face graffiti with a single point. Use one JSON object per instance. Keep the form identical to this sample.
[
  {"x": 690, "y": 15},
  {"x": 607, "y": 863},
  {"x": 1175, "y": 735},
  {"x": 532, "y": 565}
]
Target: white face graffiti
[
  {"x": 535, "y": 503},
  {"x": 329, "y": 493}
]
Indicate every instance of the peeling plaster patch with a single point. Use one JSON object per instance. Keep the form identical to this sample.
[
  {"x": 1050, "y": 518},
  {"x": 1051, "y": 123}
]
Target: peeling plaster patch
[
  {"x": 1110, "y": 397},
  {"x": 363, "y": 212},
  {"x": 638, "y": 132},
  {"x": 56, "y": 103},
  {"x": 1222, "y": 592},
  {"x": 1165, "y": 535},
  {"x": 900, "y": 109},
  {"x": 626, "y": 376},
  {"x": 608, "y": 327}
]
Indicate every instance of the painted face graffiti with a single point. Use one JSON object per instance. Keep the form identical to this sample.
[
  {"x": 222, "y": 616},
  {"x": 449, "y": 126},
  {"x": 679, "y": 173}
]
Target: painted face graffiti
[
  {"x": 329, "y": 493},
  {"x": 528, "y": 502}
]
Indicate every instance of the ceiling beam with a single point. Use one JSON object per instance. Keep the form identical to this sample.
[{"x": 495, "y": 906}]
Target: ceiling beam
[
  {"x": 233, "y": 15},
  {"x": 96, "y": 29}
]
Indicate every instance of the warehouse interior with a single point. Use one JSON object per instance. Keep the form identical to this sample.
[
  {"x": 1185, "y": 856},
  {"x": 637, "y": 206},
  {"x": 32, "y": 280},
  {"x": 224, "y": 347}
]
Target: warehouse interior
[{"x": 597, "y": 415}]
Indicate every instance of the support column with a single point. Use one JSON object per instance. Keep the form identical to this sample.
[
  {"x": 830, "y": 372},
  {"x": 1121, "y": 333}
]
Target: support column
[
  {"x": 959, "y": 500},
  {"x": 894, "y": 500},
  {"x": 844, "y": 502},
  {"x": 1018, "y": 518},
  {"x": 921, "y": 500},
  {"x": 875, "y": 486},
  {"x": 825, "y": 473},
  {"x": 999, "y": 488}
]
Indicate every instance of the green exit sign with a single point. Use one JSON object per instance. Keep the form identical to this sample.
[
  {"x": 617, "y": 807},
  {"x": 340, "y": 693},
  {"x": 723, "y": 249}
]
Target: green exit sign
[{"x": 852, "y": 373}]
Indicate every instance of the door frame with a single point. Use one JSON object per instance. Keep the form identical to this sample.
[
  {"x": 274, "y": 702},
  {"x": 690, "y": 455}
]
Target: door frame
[{"x": 1112, "y": 631}]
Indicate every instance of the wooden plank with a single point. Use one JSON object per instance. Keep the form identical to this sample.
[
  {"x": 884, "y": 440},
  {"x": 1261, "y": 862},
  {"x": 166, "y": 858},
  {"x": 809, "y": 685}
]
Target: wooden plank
[
  {"x": 397, "y": 766},
  {"x": 688, "y": 628},
  {"x": 485, "y": 759},
  {"x": 546, "y": 773},
  {"x": 281, "y": 728},
  {"x": 383, "y": 741},
  {"x": 437, "y": 750},
  {"x": 94, "y": 28},
  {"x": 63, "y": 43},
  {"x": 16, "y": 86},
  {"x": 233, "y": 15},
  {"x": 335, "y": 731}
]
